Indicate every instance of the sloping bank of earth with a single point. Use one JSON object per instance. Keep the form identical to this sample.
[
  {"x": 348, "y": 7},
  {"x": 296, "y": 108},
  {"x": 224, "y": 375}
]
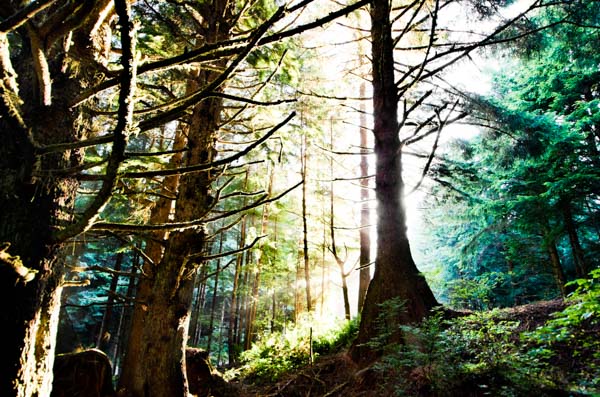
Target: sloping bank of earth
[{"x": 472, "y": 354}]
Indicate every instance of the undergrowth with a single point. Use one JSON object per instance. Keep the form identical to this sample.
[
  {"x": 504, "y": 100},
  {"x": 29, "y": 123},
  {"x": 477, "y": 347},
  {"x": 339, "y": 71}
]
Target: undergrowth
[
  {"x": 486, "y": 354},
  {"x": 282, "y": 352},
  {"x": 504, "y": 352}
]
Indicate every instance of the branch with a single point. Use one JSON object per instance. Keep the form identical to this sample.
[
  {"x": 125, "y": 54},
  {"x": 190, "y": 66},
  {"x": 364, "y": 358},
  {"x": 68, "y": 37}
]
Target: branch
[
  {"x": 222, "y": 49},
  {"x": 184, "y": 103},
  {"x": 24, "y": 274},
  {"x": 205, "y": 258},
  {"x": 103, "y": 269},
  {"x": 261, "y": 201},
  {"x": 250, "y": 101},
  {"x": 40, "y": 66},
  {"x": 179, "y": 226},
  {"x": 214, "y": 164},
  {"x": 126, "y": 102},
  {"x": 19, "y": 18},
  {"x": 209, "y": 275},
  {"x": 61, "y": 147}
]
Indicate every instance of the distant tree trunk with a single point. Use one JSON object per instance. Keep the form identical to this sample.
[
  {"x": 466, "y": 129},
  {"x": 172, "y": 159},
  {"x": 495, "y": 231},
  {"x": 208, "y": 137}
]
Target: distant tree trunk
[
  {"x": 105, "y": 339},
  {"x": 233, "y": 306},
  {"x": 221, "y": 332},
  {"x": 297, "y": 289},
  {"x": 213, "y": 303},
  {"x": 198, "y": 307},
  {"x": 305, "y": 224},
  {"x": 396, "y": 275},
  {"x": 323, "y": 262},
  {"x": 250, "y": 329},
  {"x": 365, "y": 237},
  {"x": 126, "y": 316},
  {"x": 340, "y": 262},
  {"x": 555, "y": 262},
  {"x": 244, "y": 305},
  {"x": 581, "y": 266}
]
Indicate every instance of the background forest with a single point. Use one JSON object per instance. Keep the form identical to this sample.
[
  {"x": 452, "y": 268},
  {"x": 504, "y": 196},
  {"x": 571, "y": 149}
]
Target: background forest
[{"x": 245, "y": 178}]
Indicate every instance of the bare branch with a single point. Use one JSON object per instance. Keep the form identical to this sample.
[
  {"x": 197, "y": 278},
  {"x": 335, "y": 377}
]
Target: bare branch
[
  {"x": 128, "y": 227},
  {"x": 214, "y": 164},
  {"x": 204, "y": 258},
  {"x": 19, "y": 18}
]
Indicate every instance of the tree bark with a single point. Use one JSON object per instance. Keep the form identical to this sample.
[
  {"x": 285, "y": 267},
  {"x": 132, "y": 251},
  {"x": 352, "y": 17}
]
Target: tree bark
[
  {"x": 396, "y": 275},
  {"x": 36, "y": 204}
]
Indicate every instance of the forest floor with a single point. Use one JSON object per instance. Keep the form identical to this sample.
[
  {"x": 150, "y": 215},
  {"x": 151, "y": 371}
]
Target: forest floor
[{"x": 338, "y": 375}]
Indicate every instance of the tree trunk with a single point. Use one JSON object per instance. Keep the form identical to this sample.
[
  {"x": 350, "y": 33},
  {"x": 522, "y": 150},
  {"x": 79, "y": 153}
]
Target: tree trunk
[
  {"x": 555, "y": 262},
  {"x": 132, "y": 364},
  {"x": 161, "y": 363},
  {"x": 396, "y": 275},
  {"x": 305, "y": 224},
  {"x": 251, "y": 317},
  {"x": 213, "y": 303},
  {"x": 105, "y": 339},
  {"x": 581, "y": 266},
  {"x": 233, "y": 307},
  {"x": 126, "y": 316},
  {"x": 340, "y": 262},
  {"x": 36, "y": 201},
  {"x": 365, "y": 215}
]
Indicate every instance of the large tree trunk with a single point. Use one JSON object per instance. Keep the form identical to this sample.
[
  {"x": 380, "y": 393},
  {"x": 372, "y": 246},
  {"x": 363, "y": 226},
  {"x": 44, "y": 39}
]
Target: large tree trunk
[
  {"x": 132, "y": 366},
  {"x": 159, "y": 363},
  {"x": 396, "y": 275},
  {"x": 158, "y": 360},
  {"x": 36, "y": 201}
]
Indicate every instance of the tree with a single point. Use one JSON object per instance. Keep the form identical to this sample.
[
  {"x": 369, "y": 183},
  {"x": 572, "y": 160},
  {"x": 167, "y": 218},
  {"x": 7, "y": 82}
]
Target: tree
[
  {"x": 48, "y": 56},
  {"x": 428, "y": 105},
  {"x": 531, "y": 174},
  {"x": 396, "y": 274}
]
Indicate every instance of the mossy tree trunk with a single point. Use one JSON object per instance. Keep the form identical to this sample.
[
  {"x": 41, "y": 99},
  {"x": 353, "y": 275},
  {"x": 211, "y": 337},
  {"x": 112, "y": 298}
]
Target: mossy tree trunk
[
  {"x": 155, "y": 365},
  {"x": 39, "y": 78}
]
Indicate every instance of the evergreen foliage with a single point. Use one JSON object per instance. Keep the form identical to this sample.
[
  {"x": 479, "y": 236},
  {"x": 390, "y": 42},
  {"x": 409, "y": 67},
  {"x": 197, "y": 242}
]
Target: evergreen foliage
[{"x": 518, "y": 203}]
